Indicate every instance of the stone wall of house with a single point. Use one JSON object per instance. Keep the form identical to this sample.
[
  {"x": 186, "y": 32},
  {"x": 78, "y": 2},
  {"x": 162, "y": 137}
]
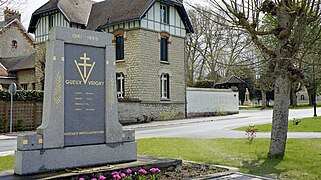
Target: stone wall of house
[
  {"x": 142, "y": 69},
  {"x": 40, "y": 59},
  {"x": 130, "y": 65},
  {"x": 27, "y": 77},
  {"x": 129, "y": 112},
  {"x": 162, "y": 111},
  {"x": 132, "y": 112},
  {"x": 13, "y": 32}
]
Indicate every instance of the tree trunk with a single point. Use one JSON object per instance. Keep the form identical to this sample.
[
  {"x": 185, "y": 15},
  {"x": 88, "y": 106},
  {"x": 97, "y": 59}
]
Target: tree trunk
[
  {"x": 310, "y": 94},
  {"x": 263, "y": 99},
  {"x": 293, "y": 98},
  {"x": 280, "y": 115}
]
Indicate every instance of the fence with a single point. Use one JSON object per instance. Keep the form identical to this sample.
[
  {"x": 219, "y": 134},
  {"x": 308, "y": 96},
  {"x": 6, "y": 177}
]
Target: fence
[{"x": 26, "y": 115}]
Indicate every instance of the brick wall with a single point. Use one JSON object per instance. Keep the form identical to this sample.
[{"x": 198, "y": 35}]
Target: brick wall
[{"x": 40, "y": 59}]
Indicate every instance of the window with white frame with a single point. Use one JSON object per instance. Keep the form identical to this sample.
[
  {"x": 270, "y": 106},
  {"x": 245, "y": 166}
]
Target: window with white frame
[
  {"x": 164, "y": 12},
  {"x": 120, "y": 84},
  {"x": 164, "y": 86}
]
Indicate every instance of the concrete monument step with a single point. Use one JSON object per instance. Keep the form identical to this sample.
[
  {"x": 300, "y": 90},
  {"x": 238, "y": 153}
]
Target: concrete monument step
[{"x": 143, "y": 161}]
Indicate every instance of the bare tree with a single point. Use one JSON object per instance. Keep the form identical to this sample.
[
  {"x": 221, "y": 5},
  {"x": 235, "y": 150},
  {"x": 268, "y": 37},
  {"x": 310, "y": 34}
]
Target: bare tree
[
  {"x": 195, "y": 41},
  {"x": 214, "y": 47},
  {"x": 204, "y": 47},
  {"x": 292, "y": 17}
]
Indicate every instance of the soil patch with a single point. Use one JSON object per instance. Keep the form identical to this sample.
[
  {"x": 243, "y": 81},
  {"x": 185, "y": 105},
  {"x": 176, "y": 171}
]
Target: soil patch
[{"x": 191, "y": 170}]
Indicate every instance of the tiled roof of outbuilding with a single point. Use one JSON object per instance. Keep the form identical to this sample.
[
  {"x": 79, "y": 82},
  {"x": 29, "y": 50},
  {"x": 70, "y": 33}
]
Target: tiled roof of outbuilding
[
  {"x": 18, "y": 63},
  {"x": 230, "y": 80}
]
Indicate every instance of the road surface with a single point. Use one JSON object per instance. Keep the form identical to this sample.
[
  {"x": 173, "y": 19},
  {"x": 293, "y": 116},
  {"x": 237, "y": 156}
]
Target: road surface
[{"x": 209, "y": 127}]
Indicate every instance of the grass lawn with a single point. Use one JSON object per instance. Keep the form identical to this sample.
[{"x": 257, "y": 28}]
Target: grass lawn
[
  {"x": 6, "y": 162},
  {"x": 302, "y": 159},
  {"x": 306, "y": 125}
]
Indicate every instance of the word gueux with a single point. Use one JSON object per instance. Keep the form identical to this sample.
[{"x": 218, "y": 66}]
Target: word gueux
[{"x": 90, "y": 83}]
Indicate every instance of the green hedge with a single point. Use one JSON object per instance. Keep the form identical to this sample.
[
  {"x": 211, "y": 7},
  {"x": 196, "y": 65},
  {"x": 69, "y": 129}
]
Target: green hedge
[
  {"x": 22, "y": 96},
  {"x": 204, "y": 84}
]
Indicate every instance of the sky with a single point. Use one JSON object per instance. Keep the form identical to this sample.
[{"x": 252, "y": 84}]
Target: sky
[{"x": 28, "y": 9}]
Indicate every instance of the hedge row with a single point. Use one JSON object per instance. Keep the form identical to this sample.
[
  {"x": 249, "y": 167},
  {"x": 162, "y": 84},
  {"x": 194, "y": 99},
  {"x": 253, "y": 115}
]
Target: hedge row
[
  {"x": 204, "y": 84},
  {"x": 22, "y": 95}
]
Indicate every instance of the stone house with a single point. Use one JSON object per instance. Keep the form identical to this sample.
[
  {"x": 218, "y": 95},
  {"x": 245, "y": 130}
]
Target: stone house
[
  {"x": 16, "y": 53},
  {"x": 303, "y": 96},
  {"x": 149, "y": 39}
]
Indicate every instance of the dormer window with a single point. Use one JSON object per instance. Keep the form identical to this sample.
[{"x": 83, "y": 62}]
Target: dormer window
[
  {"x": 164, "y": 14},
  {"x": 14, "y": 44}
]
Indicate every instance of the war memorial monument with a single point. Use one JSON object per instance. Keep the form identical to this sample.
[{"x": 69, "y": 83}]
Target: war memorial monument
[{"x": 80, "y": 124}]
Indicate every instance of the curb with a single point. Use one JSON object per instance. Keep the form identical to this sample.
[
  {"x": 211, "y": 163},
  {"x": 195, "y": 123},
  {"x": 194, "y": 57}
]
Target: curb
[
  {"x": 6, "y": 153},
  {"x": 257, "y": 177},
  {"x": 231, "y": 170},
  {"x": 5, "y": 137},
  {"x": 148, "y": 125}
]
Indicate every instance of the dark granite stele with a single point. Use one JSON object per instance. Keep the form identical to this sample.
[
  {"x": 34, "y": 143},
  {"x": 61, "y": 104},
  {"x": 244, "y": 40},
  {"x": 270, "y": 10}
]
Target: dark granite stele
[{"x": 80, "y": 126}]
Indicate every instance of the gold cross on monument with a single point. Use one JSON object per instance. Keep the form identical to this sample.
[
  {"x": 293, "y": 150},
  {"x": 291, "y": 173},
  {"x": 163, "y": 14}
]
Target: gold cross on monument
[{"x": 85, "y": 65}]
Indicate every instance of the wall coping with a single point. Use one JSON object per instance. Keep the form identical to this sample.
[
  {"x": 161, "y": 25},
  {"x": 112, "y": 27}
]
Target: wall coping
[
  {"x": 209, "y": 90},
  {"x": 129, "y": 100}
]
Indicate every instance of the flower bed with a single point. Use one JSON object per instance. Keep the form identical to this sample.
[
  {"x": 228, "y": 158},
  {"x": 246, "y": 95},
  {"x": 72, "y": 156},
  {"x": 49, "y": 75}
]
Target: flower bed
[{"x": 187, "y": 170}]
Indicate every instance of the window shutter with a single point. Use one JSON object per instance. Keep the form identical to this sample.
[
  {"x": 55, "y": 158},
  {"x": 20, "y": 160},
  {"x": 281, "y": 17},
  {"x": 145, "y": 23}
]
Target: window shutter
[
  {"x": 117, "y": 82},
  {"x": 161, "y": 86},
  {"x": 117, "y": 48},
  {"x": 167, "y": 77},
  {"x": 162, "y": 49},
  {"x": 123, "y": 82},
  {"x": 166, "y": 49},
  {"x": 167, "y": 15},
  {"x": 121, "y": 47}
]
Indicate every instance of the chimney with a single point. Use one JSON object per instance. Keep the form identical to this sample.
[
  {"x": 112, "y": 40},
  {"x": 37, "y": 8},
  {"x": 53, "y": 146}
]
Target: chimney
[{"x": 11, "y": 14}]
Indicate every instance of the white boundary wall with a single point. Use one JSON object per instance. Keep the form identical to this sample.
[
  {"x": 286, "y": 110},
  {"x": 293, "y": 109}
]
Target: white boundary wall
[{"x": 209, "y": 102}]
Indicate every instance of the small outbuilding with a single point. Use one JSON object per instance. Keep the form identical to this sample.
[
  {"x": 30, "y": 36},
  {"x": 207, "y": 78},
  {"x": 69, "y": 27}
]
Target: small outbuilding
[{"x": 232, "y": 82}]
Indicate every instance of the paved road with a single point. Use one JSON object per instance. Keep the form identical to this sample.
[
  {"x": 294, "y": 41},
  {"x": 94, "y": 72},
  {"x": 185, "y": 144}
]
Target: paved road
[
  {"x": 210, "y": 127},
  {"x": 219, "y": 127}
]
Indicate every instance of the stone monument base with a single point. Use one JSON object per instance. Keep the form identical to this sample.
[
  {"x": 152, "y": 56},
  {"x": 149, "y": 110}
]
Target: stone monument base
[{"x": 35, "y": 161}]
